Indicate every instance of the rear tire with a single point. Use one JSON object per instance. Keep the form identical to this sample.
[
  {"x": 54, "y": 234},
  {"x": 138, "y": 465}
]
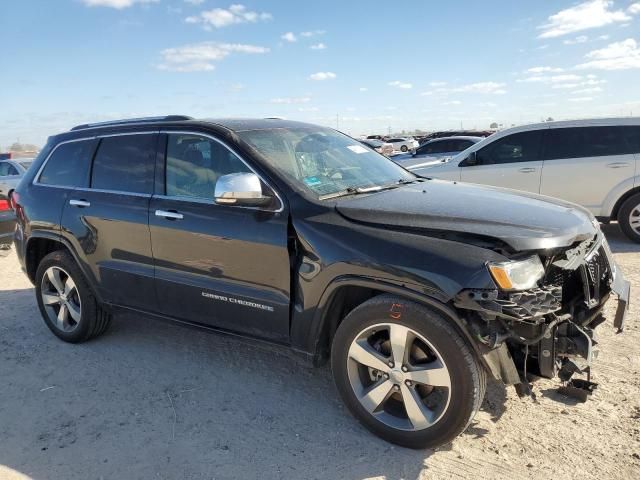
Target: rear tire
[
  {"x": 433, "y": 346},
  {"x": 66, "y": 301},
  {"x": 404, "y": 148},
  {"x": 629, "y": 217}
]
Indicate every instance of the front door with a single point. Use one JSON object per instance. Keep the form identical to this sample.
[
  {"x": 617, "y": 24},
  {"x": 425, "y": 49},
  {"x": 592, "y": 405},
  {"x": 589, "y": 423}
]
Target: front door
[
  {"x": 218, "y": 265},
  {"x": 511, "y": 162}
]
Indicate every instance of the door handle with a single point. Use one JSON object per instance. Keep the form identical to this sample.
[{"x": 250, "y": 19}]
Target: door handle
[
  {"x": 618, "y": 164},
  {"x": 79, "y": 203},
  {"x": 169, "y": 215},
  {"x": 527, "y": 170}
]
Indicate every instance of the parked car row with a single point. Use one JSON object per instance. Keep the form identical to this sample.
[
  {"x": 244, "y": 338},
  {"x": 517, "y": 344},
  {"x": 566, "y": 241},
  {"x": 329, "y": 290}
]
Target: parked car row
[{"x": 593, "y": 163}]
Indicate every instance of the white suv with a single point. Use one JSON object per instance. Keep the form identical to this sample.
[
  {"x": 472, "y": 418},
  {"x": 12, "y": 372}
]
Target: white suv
[{"x": 594, "y": 163}]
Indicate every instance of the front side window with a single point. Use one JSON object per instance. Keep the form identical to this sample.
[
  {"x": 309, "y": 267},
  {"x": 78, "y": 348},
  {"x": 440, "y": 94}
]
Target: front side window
[
  {"x": 6, "y": 169},
  {"x": 322, "y": 161},
  {"x": 518, "y": 147},
  {"x": 195, "y": 163},
  {"x": 435, "y": 147},
  {"x": 69, "y": 165},
  {"x": 125, "y": 163}
]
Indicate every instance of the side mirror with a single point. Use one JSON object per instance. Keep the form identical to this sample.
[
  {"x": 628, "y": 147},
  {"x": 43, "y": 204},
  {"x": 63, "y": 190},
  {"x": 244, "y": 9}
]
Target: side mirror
[
  {"x": 242, "y": 189},
  {"x": 472, "y": 159}
]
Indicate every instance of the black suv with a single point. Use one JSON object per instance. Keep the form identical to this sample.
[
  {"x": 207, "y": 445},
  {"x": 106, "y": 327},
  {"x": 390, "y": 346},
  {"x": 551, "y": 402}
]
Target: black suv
[{"x": 416, "y": 289}]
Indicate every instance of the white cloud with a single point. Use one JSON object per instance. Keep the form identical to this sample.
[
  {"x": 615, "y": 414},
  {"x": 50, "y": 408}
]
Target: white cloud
[
  {"x": 318, "y": 46},
  {"x": 290, "y": 100},
  {"x": 603, "y": 37},
  {"x": 544, "y": 70},
  {"x": 584, "y": 16},
  {"x": 453, "y": 102},
  {"x": 622, "y": 55},
  {"x": 312, "y": 33},
  {"x": 437, "y": 84},
  {"x": 194, "y": 2},
  {"x": 399, "y": 84},
  {"x": 587, "y": 91},
  {"x": 308, "y": 109},
  {"x": 578, "y": 39},
  {"x": 235, "y": 14},
  {"x": 322, "y": 76},
  {"x": 201, "y": 57},
  {"x": 289, "y": 37},
  {"x": 481, "y": 87},
  {"x": 551, "y": 78},
  {"x": 634, "y": 8},
  {"x": 117, "y": 4},
  {"x": 581, "y": 99},
  {"x": 363, "y": 89}
]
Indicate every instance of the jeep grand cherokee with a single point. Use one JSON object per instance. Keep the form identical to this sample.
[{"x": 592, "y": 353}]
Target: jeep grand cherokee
[{"x": 416, "y": 289}]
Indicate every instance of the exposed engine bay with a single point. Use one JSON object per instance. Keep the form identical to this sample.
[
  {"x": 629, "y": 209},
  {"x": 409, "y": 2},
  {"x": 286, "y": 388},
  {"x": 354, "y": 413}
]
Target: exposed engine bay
[{"x": 549, "y": 330}]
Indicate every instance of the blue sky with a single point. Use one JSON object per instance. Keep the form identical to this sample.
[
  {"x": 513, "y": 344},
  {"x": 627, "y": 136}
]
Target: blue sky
[{"x": 403, "y": 64}]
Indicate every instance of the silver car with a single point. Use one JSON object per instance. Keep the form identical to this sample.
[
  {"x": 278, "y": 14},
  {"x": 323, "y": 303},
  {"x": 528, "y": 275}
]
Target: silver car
[
  {"x": 435, "y": 151},
  {"x": 403, "y": 144},
  {"x": 11, "y": 172}
]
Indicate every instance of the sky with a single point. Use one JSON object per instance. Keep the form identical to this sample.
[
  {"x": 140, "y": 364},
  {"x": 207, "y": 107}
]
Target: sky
[{"x": 362, "y": 66}]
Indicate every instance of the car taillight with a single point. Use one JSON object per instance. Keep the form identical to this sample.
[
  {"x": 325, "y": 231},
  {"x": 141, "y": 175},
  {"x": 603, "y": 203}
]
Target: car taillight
[
  {"x": 4, "y": 206},
  {"x": 13, "y": 200}
]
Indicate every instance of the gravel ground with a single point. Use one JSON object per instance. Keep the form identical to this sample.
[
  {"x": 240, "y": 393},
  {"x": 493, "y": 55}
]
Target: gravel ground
[{"x": 154, "y": 400}]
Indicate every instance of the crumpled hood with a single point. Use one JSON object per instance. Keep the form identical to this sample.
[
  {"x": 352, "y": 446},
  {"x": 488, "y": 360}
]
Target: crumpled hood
[{"x": 523, "y": 220}]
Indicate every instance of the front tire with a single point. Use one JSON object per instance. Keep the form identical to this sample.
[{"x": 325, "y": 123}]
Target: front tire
[
  {"x": 404, "y": 148},
  {"x": 66, "y": 301},
  {"x": 405, "y": 373},
  {"x": 629, "y": 217}
]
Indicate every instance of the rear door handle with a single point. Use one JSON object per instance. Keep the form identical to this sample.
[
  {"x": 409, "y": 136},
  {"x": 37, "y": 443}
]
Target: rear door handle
[
  {"x": 79, "y": 203},
  {"x": 618, "y": 164},
  {"x": 527, "y": 170},
  {"x": 169, "y": 215}
]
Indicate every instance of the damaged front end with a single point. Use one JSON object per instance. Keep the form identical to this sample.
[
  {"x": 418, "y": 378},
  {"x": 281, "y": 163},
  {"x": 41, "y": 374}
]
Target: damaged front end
[{"x": 548, "y": 328}]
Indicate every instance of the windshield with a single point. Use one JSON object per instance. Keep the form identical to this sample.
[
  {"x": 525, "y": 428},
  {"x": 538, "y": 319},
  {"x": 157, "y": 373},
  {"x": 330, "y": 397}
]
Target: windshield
[{"x": 325, "y": 162}]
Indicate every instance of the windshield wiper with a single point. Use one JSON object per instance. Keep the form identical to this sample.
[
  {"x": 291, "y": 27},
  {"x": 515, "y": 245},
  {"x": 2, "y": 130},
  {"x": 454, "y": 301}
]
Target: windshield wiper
[{"x": 362, "y": 190}]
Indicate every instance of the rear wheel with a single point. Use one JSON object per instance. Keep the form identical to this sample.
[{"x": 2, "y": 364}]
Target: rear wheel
[
  {"x": 66, "y": 301},
  {"x": 404, "y": 148},
  {"x": 629, "y": 217},
  {"x": 405, "y": 373}
]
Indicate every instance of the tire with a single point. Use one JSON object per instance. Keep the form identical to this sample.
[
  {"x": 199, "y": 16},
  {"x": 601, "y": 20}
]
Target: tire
[
  {"x": 630, "y": 212},
  {"x": 90, "y": 319},
  {"x": 404, "y": 148},
  {"x": 466, "y": 384}
]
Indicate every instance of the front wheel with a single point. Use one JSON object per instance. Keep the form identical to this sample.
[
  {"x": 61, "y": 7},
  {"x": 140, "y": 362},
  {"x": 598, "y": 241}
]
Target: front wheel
[
  {"x": 404, "y": 148},
  {"x": 629, "y": 217},
  {"x": 405, "y": 373}
]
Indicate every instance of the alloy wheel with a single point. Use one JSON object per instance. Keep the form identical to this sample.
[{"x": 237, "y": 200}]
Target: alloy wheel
[
  {"x": 634, "y": 219},
  {"x": 399, "y": 377},
  {"x": 61, "y": 299}
]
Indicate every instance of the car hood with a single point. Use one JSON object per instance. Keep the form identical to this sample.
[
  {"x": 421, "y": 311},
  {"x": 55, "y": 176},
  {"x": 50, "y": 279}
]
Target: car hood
[{"x": 522, "y": 220}]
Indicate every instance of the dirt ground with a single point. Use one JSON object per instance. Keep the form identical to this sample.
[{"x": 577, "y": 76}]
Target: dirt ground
[{"x": 156, "y": 401}]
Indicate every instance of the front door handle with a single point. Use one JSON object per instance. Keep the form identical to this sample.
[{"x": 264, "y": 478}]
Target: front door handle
[
  {"x": 169, "y": 215},
  {"x": 618, "y": 164},
  {"x": 527, "y": 170},
  {"x": 79, "y": 203}
]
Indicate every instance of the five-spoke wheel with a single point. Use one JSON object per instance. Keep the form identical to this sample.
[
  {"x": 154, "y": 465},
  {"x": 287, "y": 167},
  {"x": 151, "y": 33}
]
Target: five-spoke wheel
[{"x": 61, "y": 299}]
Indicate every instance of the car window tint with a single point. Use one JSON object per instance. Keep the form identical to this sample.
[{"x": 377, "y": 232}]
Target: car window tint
[
  {"x": 7, "y": 169},
  {"x": 195, "y": 163},
  {"x": 518, "y": 147},
  {"x": 69, "y": 165},
  {"x": 460, "y": 145},
  {"x": 586, "y": 142},
  {"x": 125, "y": 163},
  {"x": 633, "y": 138}
]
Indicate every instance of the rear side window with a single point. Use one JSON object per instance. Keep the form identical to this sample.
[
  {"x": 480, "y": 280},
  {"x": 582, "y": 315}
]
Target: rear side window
[
  {"x": 519, "y": 147},
  {"x": 125, "y": 163},
  {"x": 69, "y": 165},
  {"x": 587, "y": 142},
  {"x": 6, "y": 169}
]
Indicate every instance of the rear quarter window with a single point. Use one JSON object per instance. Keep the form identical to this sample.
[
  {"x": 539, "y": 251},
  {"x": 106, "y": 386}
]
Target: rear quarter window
[
  {"x": 69, "y": 164},
  {"x": 584, "y": 142}
]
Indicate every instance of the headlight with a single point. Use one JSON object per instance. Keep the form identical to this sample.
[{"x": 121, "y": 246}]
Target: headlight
[{"x": 517, "y": 275}]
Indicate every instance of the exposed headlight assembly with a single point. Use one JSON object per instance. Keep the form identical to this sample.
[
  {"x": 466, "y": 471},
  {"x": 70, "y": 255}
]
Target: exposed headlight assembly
[{"x": 517, "y": 275}]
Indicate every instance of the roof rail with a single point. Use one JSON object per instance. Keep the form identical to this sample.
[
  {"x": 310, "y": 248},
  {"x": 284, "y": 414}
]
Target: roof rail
[{"x": 166, "y": 118}]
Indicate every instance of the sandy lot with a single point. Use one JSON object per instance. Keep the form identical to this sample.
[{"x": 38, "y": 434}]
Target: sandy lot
[{"x": 153, "y": 400}]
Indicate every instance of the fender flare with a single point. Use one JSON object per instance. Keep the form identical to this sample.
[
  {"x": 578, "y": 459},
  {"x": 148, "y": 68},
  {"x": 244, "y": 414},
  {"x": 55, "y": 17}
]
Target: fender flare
[{"x": 56, "y": 237}]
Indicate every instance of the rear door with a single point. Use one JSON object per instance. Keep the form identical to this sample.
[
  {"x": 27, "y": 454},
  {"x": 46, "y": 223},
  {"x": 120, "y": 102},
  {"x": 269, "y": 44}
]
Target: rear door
[
  {"x": 584, "y": 164},
  {"x": 108, "y": 222},
  {"x": 512, "y": 161},
  {"x": 220, "y": 265}
]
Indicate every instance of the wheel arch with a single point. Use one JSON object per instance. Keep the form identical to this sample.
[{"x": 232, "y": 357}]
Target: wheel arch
[
  {"x": 41, "y": 244},
  {"x": 344, "y": 294},
  {"x": 621, "y": 200}
]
